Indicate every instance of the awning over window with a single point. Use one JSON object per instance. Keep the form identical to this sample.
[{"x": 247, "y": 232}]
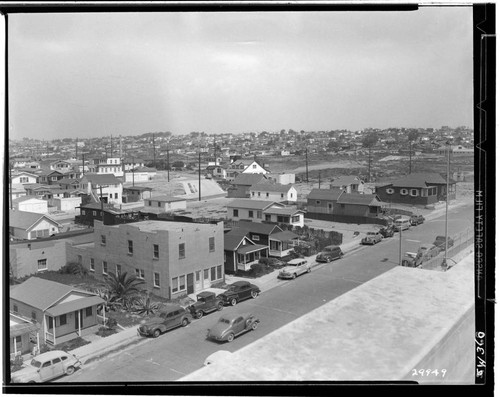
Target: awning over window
[
  {"x": 251, "y": 248},
  {"x": 71, "y": 306}
]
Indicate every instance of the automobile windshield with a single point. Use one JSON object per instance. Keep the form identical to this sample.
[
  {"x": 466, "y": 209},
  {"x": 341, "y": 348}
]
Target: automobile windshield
[
  {"x": 201, "y": 299},
  {"x": 225, "y": 321},
  {"x": 36, "y": 363}
]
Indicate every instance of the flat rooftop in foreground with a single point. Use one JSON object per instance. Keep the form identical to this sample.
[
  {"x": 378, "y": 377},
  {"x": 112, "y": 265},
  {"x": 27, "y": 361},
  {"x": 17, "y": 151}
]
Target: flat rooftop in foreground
[{"x": 378, "y": 331}]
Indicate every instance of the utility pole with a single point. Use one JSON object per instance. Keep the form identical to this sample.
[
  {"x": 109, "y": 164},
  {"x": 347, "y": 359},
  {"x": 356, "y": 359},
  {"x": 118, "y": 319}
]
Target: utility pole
[
  {"x": 76, "y": 149},
  {"x": 133, "y": 171},
  {"x": 319, "y": 179},
  {"x": 111, "y": 146},
  {"x": 199, "y": 174},
  {"x": 168, "y": 165},
  {"x": 154, "y": 151},
  {"x": 445, "y": 259},
  {"x": 370, "y": 164},
  {"x": 400, "y": 243},
  {"x": 215, "y": 151},
  {"x": 83, "y": 163},
  {"x": 102, "y": 204},
  {"x": 307, "y": 169}
]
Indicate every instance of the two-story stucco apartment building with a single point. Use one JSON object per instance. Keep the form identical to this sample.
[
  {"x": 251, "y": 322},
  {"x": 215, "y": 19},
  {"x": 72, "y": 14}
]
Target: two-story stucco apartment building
[{"x": 173, "y": 258}]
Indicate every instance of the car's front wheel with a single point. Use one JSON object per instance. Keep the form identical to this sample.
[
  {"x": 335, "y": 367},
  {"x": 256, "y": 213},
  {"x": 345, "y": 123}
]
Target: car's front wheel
[
  {"x": 254, "y": 325},
  {"x": 156, "y": 333},
  {"x": 294, "y": 275},
  {"x": 405, "y": 263},
  {"x": 184, "y": 322},
  {"x": 308, "y": 270},
  {"x": 230, "y": 337},
  {"x": 199, "y": 314},
  {"x": 70, "y": 370},
  {"x": 232, "y": 302},
  {"x": 220, "y": 306},
  {"x": 254, "y": 294}
]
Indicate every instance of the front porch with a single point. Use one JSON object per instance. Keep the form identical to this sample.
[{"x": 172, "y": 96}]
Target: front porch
[
  {"x": 282, "y": 244},
  {"x": 54, "y": 339},
  {"x": 248, "y": 255}
]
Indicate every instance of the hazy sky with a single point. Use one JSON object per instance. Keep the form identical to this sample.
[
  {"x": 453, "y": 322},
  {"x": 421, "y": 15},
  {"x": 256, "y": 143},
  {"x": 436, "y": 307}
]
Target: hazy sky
[{"x": 89, "y": 75}]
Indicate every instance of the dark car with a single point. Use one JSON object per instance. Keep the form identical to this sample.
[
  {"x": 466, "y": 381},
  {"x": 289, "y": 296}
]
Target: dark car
[
  {"x": 329, "y": 253},
  {"x": 416, "y": 220},
  {"x": 387, "y": 231},
  {"x": 372, "y": 238},
  {"x": 440, "y": 242},
  {"x": 238, "y": 291},
  {"x": 173, "y": 317},
  {"x": 228, "y": 327},
  {"x": 206, "y": 302}
]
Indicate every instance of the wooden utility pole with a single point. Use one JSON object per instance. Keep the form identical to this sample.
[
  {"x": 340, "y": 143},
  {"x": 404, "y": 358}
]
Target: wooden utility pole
[
  {"x": 168, "y": 165},
  {"x": 199, "y": 174},
  {"x": 410, "y": 157},
  {"x": 111, "y": 146},
  {"x": 319, "y": 179},
  {"x": 133, "y": 171},
  {"x": 154, "y": 151},
  {"x": 370, "y": 164},
  {"x": 76, "y": 149},
  {"x": 307, "y": 168},
  {"x": 83, "y": 163}
]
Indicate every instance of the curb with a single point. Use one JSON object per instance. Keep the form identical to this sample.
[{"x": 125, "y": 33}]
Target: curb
[{"x": 90, "y": 357}]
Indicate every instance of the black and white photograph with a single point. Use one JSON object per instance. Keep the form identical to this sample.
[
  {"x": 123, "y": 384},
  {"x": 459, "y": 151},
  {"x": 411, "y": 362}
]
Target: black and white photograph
[{"x": 213, "y": 195}]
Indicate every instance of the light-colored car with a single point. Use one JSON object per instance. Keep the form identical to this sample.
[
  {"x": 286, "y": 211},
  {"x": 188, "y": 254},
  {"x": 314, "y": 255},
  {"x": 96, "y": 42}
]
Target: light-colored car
[
  {"x": 295, "y": 268},
  {"x": 230, "y": 326},
  {"x": 46, "y": 366},
  {"x": 372, "y": 238},
  {"x": 402, "y": 223}
]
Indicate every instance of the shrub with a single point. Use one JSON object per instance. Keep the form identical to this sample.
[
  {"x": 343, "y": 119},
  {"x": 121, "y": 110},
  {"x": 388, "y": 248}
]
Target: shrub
[
  {"x": 104, "y": 331},
  {"x": 74, "y": 268}
]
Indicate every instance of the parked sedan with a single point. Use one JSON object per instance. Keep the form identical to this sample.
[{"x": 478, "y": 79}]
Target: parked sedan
[
  {"x": 295, "y": 268},
  {"x": 230, "y": 326},
  {"x": 416, "y": 220},
  {"x": 372, "y": 238},
  {"x": 47, "y": 366},
  {"x": 440, "y": 242},
  {"x": 239, "y": 291},
  {"x": 330, "y": 253},
  {"x": 387, "y": 231}
]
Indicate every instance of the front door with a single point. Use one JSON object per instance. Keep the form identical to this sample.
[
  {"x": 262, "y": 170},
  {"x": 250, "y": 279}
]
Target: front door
[
  {"x": 190, "y": 283},
  {"x": 197, "y": 286}
]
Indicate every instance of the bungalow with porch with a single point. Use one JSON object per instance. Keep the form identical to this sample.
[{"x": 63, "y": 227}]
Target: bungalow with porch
[
  {"x": 248, "y": 209},
  {"x": 359, "y": 208},
  {"x": 63, "y": 312},
  {"x": 417, "y": 189},
  {"x": 350, "y": 184},
  {"x": 287, "y": 215},
  {"x": 240, "y": 253},
  {"x": 321, "y": 203},
  {"x": 23, "y": 335},
  {"x": 20, "y": 178},
  {"x": 133, "y": 194},
  {"x": 105, "y": 187}
]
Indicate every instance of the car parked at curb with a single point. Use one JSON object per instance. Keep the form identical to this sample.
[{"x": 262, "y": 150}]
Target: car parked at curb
[
  {"x": 230, "y": 326},
  {"x": 416, "y": 220},
  {"x": 372, "y": 238},
  {"x": 173, "y": 317},
  {"x": 47, "y": 366},
  {"x": 295, "y": 268},
  {"x": 440, "y": 242},
  {"x": 206, "y": 302},
  {"x": 329, "y": 253},
  {"x": 411, "y": 259},
  {"x": 239, "y": 291},
  {"x": 402, "y": 223},
  {"x": 387, "y": 231}
]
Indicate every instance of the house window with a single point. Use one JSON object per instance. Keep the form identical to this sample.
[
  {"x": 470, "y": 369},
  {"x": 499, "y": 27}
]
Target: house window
[
  {"x": 42, "y": 264},
  {"x": 182, "y": 250},
  {"x": 130, "y": 247},
  {"x": 23, "y": 179},
  {"x": 53, "y": 178},
  {"x": 79, "y": 259},
  {"x": 104, "y": 267},
  {"x": 156, "y": 281},
  {"x": 156, "y": 251},
  {"x": 211, "y": 244},
  {"x": 62, "y": 319},
  {"x": 83, "y": 212},
  {"x": 15, "y": 308},
  {"x": 212, "y": 273},
  {"x": 150, "y": 203},
  {"x": 139, "y": 273},
  {"x": 198, "y": 275},
  {"x": 318, "y": 202},
  {"x": 219, "y": 272},
  {"x": 403, "y": 192},
  {"x": 92, "y": 265},
  {"x": 258, "y": 194},
  {"x": 424, "y": 193},
  {"x": 250, "y": 214},
  {"x": 255, "y": 237},
  {"x": 205, "y": 274},
  {"x": 51, "y": 323},
  {"x": 389, "y": 190},
  {"x": 182, "y": 283},
  {"x": 103, "y": 239},
  {"x": 267, "y": 194},
  {"x": 33, "y": 315},
  {"x": 253, "y": 193},
  {"x": 254, "y": 166},
  {"x": 235, "y": 213},
  {"x": 175, "y": 284},
  {"x": 259, "y": 214},
  {"x": 342, "y": 205},
  {"x": 88, "y": 311},
  {"x": 414, "y": 192},
  {"x": 330, "y": 206},
  {"x": 295, "y": 218},
  {"x": 282, "y": 195},
  {"x": 268, "y": 217},
  {"x": 94, "y": 213},
  {"x": 118, "y": 270},
  {"x": 159, "y": 204},
  {"x": 116, "y": 195}
]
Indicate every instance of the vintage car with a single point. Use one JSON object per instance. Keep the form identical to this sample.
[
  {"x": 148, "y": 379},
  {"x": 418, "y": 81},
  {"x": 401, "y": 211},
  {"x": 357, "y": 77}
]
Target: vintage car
[
  {"x": 372, "y": 238},
  {"x": 206, "y": 302},
  {"x": 416, "y": 220},
  {"x": 402, "y": 223},
  {"x": 428, "y": 251},
  {"x": 46, "y": 366},
  {"x": 387, "y": 231},
  {"x": 329, "y": 253},
  {"x": 238, "y": 291},
  {"x": 411, "y": 259},
  {"x": 230, "y": 326},
  {"x": 173, "y": 317},
  {"x": 440, "y": 242},
  {"x": 295, "y": 268}
]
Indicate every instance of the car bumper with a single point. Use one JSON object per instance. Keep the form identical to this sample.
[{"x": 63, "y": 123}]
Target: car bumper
[
  {"x": 143, "y": 333},
  {"x": 285, "y": 276}
]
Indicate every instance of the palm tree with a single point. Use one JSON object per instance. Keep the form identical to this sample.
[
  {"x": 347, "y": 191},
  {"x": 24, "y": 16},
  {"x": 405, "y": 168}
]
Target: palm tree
[{"x": 123, "y": 288}]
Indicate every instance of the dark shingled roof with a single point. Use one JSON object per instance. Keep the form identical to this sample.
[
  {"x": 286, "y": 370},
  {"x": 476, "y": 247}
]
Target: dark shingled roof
[
  {"x": 261, "y": 228},
  {"x": 356, "y": 198},
  {"x": 420, "y": 180},
  {"x": 248, "y": 179},
  {"x": 252, "y": 204}
]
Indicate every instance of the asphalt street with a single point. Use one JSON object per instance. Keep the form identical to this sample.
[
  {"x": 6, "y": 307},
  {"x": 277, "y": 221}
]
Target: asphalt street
[{"x": 183, "y": 350}]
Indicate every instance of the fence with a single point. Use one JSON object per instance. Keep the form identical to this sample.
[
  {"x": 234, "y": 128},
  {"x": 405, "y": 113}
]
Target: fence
[{"x": 460, "y": 242}]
